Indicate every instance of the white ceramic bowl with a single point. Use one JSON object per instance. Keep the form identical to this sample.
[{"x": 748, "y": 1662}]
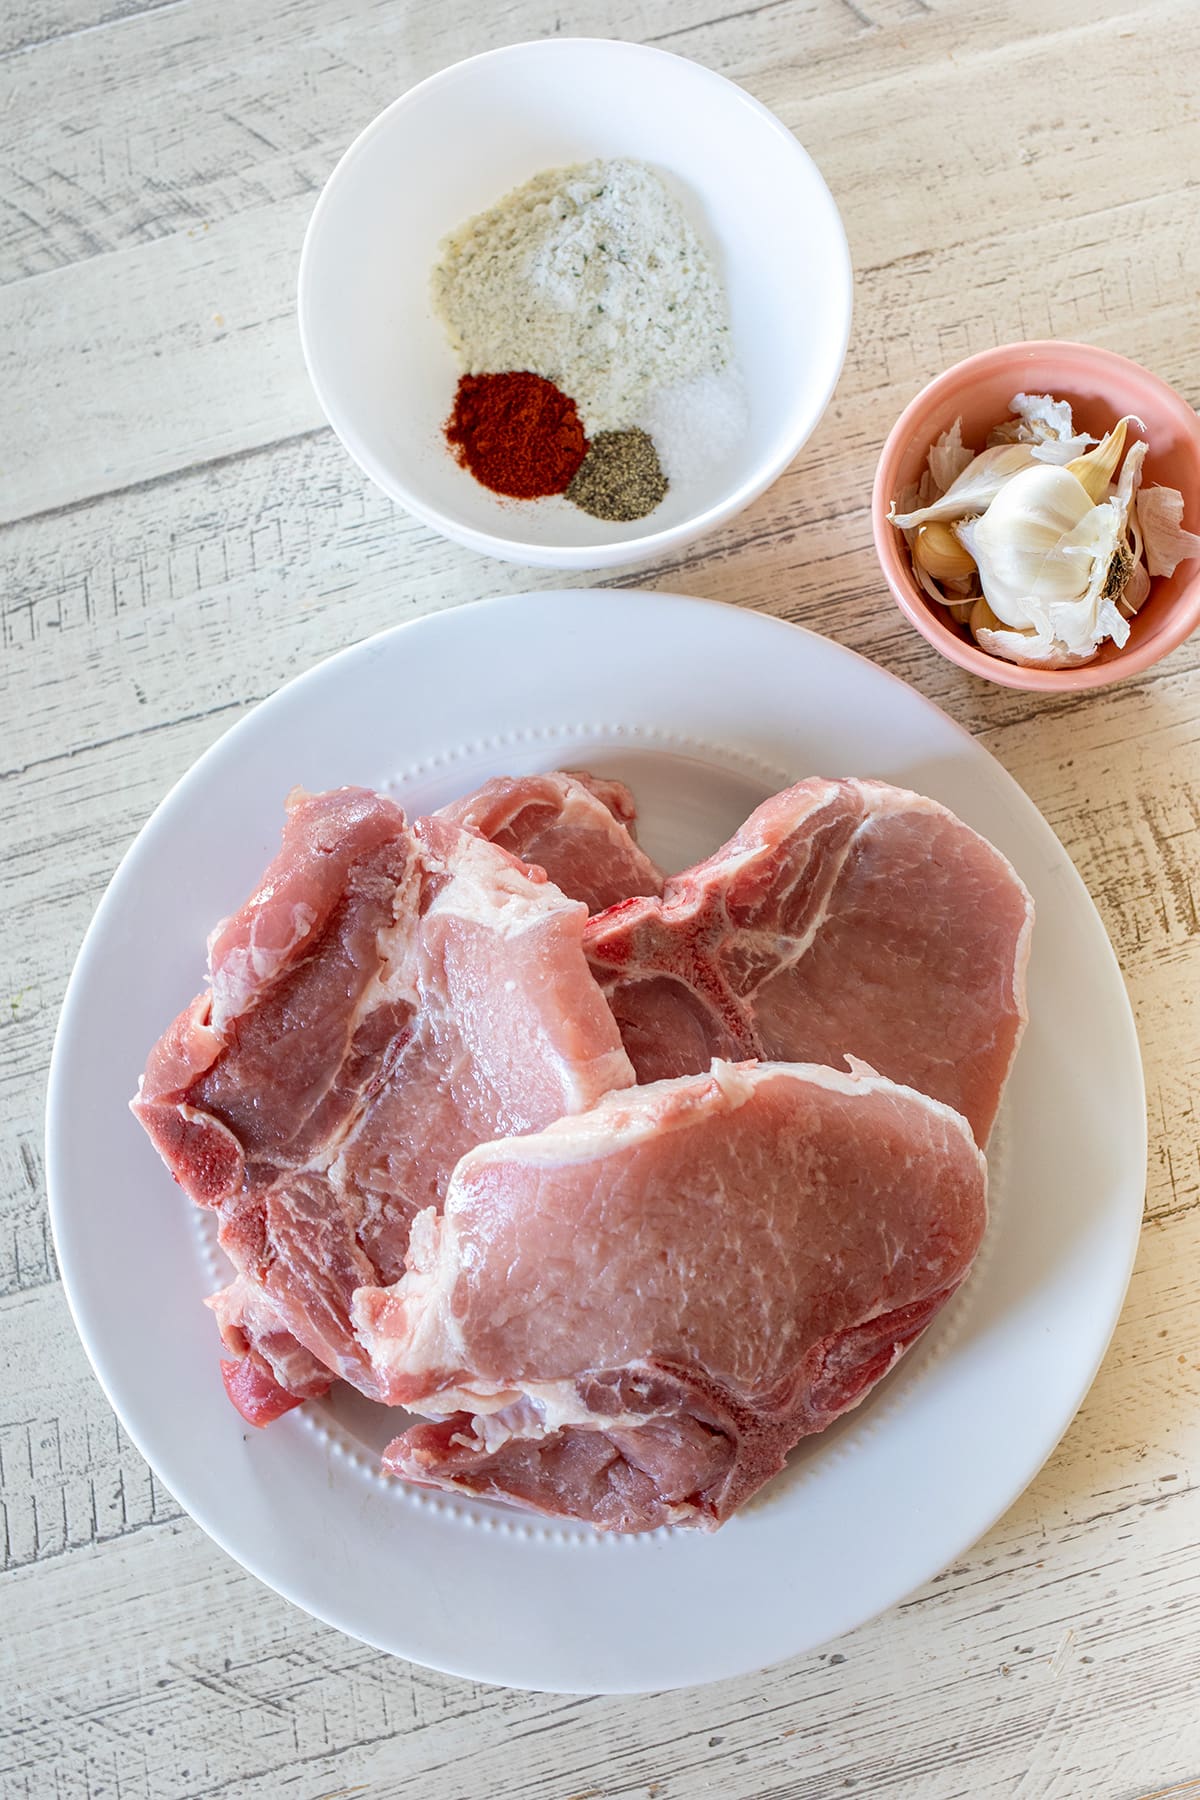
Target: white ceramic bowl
[{"x": 378, "y": 357}]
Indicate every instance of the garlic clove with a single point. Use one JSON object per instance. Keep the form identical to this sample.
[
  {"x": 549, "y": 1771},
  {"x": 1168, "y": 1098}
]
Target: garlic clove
[
  {"x": 927, "y": 583},
  {"x": 983, "y": 618},
  {"x": 1136, "y": 589},
  {"x": 910, "y": 500},
  {"x": 939, "y": 552},
  {"x": 972, "y": 491},
  {"x": 1099, "y": 466}
]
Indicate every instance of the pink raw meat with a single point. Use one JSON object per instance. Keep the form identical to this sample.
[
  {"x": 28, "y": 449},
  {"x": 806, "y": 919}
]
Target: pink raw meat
[
  {"x": 845, "y": 918},
  {"x": 268, "y": 1372},
  {"x": 577, "y": 827},
  {"x": 387, "y": 998},
  {"x": 633, "y": 1316}
]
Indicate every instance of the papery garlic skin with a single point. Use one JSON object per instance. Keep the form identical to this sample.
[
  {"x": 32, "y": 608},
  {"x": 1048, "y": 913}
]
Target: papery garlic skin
[
  {"x": 1160, "y": 515},
  {"x": 1045, "y": 423},
  {"x": 1030, "y": 649},
  {"x": 949, "y": 457},
  {"x": 972, "y": 491}
]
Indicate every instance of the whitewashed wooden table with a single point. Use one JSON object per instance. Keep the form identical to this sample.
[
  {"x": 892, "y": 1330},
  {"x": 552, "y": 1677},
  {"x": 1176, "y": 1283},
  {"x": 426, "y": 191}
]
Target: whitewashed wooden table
[{"x": 181, "y": 534}]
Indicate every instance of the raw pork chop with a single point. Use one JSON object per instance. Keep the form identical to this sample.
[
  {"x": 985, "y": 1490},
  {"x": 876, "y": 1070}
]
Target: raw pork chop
[
  {"x": 577, "y": 827},
  {"x": 633, "y": 1316},
  {"x": 845, "y": 918},
  {"x": 387, "y": 998}
]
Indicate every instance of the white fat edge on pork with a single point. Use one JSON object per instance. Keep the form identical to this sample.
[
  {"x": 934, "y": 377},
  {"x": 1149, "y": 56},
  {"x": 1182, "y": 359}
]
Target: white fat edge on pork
[
  {"x": 581, "y": 807},
  {"x": 528, "y": 1412},
  {"x": 539, "y": 1414},
  {"x": 432, "y": 1265},
  {"x": 798, "y": 947},
  {"x": 751, "y": 849},
  {"x": 253, "y": 965},
  {"x": 577, "y": 804},
  {"x": 626, "y": 1117},
  {"x": 497, "y": 891},
  {"x": 396, "y": 977}
]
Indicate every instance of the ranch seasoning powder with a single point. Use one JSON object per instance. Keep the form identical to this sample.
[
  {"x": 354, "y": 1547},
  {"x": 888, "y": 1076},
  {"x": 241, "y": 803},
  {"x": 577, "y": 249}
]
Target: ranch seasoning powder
[{"x": 593, "y": 278}]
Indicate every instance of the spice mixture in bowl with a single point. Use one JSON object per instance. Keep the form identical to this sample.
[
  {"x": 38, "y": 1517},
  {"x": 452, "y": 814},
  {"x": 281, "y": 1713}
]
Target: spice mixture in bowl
[
  {"x": 575, "y": 302},
  {"x": 593, "y": 277}
]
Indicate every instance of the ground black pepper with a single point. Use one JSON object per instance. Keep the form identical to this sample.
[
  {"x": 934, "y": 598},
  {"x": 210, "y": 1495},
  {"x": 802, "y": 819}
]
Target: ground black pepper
[{"x": 620, "y": 477}]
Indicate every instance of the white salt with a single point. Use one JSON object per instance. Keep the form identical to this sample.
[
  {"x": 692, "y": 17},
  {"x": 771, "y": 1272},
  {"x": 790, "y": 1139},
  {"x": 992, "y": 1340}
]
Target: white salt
[{"x": 695, "y": 424}]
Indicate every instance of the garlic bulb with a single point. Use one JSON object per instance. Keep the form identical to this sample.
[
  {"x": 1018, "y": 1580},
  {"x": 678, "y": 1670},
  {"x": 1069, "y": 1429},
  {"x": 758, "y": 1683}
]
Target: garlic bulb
[{"x": 1050, "y": 560}]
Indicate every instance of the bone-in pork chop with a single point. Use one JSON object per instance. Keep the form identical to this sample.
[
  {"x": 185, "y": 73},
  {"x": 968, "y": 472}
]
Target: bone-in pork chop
[
  {"x": 631, "y": 1317},
  {"x": 387, "y": 998},
  {"x": 579, "y": 828},
  {"x": 845, "y": 918}
]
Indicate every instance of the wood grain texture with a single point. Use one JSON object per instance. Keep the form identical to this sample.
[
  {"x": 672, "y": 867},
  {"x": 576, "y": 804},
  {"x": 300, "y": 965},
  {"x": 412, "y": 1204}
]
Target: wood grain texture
[{"x": 181, "y": 533}]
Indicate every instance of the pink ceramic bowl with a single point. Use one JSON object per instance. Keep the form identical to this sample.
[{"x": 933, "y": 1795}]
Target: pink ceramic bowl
[{"x": 1101, "y": 387}]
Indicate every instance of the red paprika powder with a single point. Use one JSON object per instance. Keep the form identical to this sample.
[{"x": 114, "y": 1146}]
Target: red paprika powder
[{"x": 516, "y": 433}]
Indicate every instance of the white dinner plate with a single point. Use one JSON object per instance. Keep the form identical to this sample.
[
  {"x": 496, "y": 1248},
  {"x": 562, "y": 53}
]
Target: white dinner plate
[{"x": 704, "y": 710}]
